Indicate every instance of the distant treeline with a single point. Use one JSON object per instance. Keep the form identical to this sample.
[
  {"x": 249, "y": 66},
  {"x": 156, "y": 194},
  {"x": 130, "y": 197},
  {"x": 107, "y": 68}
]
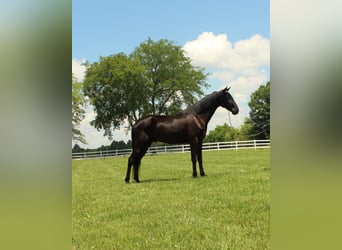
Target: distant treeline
[{"x": 113, "y": 146}]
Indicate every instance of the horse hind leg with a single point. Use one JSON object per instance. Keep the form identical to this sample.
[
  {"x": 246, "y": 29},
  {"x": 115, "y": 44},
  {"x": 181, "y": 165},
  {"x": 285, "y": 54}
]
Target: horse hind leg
[
  {"x": 140, "y": 154},
  {"x": 133, "y": 161},
  {"x": 129, "y": 167},
  {"x": 141, "y": 142}
]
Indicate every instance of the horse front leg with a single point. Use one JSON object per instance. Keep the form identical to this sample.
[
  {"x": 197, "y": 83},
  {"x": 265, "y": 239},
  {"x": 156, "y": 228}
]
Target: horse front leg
[
  {"x": 193, "y": 148},
  {"x": 199, "y": 158},
  {"x": 136, "y": 171}
]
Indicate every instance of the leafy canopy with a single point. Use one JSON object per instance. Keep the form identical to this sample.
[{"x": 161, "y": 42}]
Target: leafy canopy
[
  {"x": 77, "y": 103},
  {"x": 259, "y": 116}
]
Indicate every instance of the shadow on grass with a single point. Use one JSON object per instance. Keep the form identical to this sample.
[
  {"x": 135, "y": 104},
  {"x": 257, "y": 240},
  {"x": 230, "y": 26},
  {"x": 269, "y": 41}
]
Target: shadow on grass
[{"x": 160, "y": 180}]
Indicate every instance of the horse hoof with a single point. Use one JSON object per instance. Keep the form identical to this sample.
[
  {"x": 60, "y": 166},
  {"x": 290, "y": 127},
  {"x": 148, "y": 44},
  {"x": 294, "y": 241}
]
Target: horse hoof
[{"x": 203, "y": 174}]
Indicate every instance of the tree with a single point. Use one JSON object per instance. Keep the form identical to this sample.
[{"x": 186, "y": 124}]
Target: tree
[
  {"x": 246, "y": 130},
  {"x": 155, "y": 79},
  {"x": 115, "y": 87},
  {"x": 259, "y": 116},
  {"x": 223, "y": 133},
  {"x": 78, "y": 112},
  {"x": 77, "y": 149},
  {"x": 171, "y": 80},
  {"x": 117, "y": 145}
]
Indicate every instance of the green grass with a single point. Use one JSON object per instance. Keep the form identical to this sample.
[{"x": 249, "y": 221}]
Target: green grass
[{"x": 227, "y": 209}]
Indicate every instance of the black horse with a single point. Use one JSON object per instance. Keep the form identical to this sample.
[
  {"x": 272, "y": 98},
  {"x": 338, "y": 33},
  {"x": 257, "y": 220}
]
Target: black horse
[{"x": 189, "y": 126}]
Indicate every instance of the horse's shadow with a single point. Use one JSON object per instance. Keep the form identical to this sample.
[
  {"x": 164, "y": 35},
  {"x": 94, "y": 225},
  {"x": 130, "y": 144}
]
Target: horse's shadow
[{"x": 160, "y": 180}]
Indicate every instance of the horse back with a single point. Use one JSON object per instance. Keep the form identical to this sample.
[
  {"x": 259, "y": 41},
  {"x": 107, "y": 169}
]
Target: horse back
[{"x": 180, "y": 128}]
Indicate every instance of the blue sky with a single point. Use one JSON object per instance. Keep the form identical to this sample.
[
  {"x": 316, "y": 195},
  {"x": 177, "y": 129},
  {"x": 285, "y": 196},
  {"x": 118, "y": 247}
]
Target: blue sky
[
  {"x": 108, "y": 27},
  {"x": 229, "y": 38}
]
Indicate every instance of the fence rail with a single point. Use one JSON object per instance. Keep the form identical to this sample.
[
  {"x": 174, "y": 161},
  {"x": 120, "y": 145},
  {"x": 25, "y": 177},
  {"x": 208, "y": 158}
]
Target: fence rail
[{"x": 210, "y": 146}]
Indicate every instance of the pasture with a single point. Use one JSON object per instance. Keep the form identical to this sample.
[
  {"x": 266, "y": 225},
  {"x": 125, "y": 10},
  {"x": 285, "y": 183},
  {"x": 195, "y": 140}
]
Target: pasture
[{"x": 227, "y": 209}]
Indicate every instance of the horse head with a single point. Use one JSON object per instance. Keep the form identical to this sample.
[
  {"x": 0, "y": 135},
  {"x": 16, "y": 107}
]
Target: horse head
[{"x": 228, "y": 102}]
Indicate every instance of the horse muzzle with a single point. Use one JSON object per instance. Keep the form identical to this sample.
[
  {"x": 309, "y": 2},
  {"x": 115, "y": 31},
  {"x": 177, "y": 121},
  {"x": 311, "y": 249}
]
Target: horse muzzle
[{"x": 235, "y": 111}]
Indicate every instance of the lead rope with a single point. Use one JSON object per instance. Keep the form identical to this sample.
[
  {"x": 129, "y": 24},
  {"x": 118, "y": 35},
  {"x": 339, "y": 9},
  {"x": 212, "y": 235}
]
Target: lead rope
[{"x": 230, "y": 123}]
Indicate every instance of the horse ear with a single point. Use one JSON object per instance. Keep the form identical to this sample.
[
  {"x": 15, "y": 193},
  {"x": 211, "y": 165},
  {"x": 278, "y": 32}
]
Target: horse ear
[{"x": 228, "y": 89}]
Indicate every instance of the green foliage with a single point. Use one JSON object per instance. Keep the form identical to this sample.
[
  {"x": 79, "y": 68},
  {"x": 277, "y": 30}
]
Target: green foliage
[
  {"x": 171, "y": 79},
  {"x": 246, "y": 129},
  {"x": 226, "y": 133},
  {"x": 115, "y": 86},
  {"x": 155, "y": 79},
  {"x": 113, "y": 146},
  {"x": 77, "y": 149},
  {"x": 78, "y": 103},
  {"x": 227, "y": 209},
  {"x": 259, "y": 116}
]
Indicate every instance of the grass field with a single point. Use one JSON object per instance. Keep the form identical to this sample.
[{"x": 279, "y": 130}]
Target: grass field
[{"x": 227, "y": 209}]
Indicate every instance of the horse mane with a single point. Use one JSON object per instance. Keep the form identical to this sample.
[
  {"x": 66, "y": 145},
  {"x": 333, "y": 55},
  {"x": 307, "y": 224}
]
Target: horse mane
[{"x": 202, "y": 104}]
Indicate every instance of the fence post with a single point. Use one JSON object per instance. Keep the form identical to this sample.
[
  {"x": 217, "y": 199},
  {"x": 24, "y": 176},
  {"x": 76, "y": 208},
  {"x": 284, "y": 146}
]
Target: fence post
[
  {"x": 165, "y": 149},
  {"x": 254, "y": 144},
  {"x": 236, "y": 145},
  {"x": 182, "y": 148},
  {"x": 218, "y": 146}
]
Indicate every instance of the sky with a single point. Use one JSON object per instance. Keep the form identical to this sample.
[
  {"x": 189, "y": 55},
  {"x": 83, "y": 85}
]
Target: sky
[{"x": 230, "y": 39}]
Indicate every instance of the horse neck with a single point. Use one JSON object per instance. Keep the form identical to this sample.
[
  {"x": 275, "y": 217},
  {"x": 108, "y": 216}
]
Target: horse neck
[
  {"x": 205, "y": 108},
  {"x": 208, "y": 111}
]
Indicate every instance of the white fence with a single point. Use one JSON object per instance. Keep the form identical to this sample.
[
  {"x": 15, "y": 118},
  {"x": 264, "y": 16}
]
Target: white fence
[{"x": 210, "y": 146}]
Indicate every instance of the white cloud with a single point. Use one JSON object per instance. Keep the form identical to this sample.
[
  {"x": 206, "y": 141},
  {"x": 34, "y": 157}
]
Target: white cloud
[
  {"x": 243, "y": 65},
  {"x": 78, "y": 69},
  {"x": 218, "y": 52},
  {"x": 209, "y": 50}
]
